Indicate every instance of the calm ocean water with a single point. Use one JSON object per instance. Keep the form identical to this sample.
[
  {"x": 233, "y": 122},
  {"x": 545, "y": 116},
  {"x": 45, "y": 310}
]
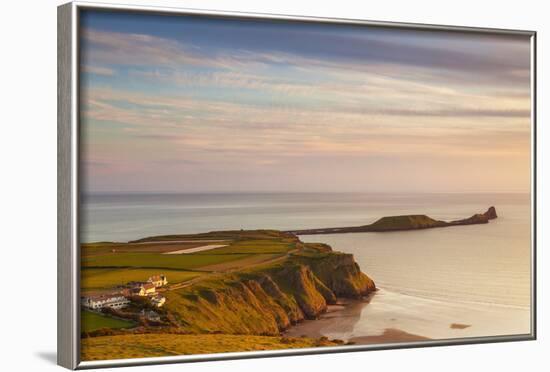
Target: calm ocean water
[{"x": 477, "y": 275}]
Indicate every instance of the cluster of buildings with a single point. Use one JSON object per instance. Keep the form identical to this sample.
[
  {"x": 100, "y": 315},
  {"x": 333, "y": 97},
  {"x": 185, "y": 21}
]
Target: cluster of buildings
[
  {"x": 114, "y": 301},
  {"x": 122, "y": 298}
]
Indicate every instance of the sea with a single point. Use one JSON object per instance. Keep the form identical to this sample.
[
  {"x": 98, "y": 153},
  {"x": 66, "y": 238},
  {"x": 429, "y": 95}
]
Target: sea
[{"x": 462, "y": 281}]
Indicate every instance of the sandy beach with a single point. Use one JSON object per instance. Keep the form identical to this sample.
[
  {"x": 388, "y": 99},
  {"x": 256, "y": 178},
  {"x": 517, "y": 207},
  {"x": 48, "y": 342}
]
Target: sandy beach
[
  {"x": 390, "y": 335},
  {"x": 339, "y": 321}
]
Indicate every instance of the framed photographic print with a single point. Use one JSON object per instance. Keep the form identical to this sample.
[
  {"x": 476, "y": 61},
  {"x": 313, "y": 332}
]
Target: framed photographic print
[{"x": 237, "y": 185}]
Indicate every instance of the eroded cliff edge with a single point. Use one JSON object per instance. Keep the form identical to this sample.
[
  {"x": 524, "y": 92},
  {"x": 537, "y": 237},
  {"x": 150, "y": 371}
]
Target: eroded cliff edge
[{"x": 267, "y": 300}]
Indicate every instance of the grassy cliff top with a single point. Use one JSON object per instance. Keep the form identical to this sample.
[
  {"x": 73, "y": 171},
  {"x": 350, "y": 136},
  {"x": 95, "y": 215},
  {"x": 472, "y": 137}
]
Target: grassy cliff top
[
  {"x": 107, "y": 265},
  {"x": 223, "y": 235}
]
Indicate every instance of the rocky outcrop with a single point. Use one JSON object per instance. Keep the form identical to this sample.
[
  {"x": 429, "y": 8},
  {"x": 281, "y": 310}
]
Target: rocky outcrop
[
  {"x": 478, "y": 218},
  {"x": 403, "y": 223},
  {"x": 342, "y": 275},
  {"x": 491, "y": 213},
  {"x": 270, "y": 301}
]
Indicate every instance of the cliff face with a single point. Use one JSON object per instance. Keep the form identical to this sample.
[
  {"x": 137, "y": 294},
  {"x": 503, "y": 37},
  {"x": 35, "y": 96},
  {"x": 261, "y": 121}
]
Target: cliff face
[
  {"x": 342, "y": 275},
  {"x": 267, "y": 302}
]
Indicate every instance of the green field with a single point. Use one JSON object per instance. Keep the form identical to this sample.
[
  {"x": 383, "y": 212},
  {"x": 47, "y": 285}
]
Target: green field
[
  {"x": 154, "y": 345},
  {"x": 93, "y": 321},
  {"x": 217, "y": 235},
  {"x": 248, "y": 260},
  {"x": 95, "y": 249},
  {"x": 96, "y": 279},
  {"x": 161, "y": 261},
  {"x": 107, "y": 265},
  {"x": 253, "y": 246}
]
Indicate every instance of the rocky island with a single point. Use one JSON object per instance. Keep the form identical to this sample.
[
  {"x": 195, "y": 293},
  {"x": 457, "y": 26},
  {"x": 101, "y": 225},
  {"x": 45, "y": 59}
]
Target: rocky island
[{"x": 402, "y": 223}]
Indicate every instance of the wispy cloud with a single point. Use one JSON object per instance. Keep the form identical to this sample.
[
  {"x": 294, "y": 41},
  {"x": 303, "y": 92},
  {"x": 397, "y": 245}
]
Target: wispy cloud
[
  {"x": 204, "y": 102},
  {"x": 506, "y": 62},
  {"x": 98, "y": 70},
  {"x": 146, "y": 50},
  {"x": 224, "y": 128}
]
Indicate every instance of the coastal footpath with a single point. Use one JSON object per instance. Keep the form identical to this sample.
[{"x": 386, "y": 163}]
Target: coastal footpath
[{"x": 403, "y": 223}]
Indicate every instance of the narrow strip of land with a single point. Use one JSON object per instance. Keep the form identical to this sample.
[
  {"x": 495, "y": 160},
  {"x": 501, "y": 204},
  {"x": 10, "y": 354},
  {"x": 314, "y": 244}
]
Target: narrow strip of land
[{"x": 402, "y": 223}]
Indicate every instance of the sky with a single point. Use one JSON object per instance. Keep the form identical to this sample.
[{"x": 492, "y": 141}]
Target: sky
[{"x": 193, "y": 104}]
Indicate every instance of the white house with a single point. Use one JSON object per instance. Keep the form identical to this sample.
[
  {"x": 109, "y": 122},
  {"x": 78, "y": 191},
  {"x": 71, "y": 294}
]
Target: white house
[
  {"x": 158, "y": 301},
  {"x": 114, "y": 301},
  {"x": 144, "y": 289},
  {"x": 158, "y": 280}
]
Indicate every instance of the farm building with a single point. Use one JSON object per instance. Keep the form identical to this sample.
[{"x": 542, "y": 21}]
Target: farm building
[
  {"x": 158, "y": 301},
  {"x": 144, "y": 289},
  {"x": 114, "y": 301},
  {"x": 158, "y": 280}
]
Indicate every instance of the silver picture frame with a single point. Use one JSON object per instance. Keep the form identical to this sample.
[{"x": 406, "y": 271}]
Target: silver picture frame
[{"x": 68, "y": 202}]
